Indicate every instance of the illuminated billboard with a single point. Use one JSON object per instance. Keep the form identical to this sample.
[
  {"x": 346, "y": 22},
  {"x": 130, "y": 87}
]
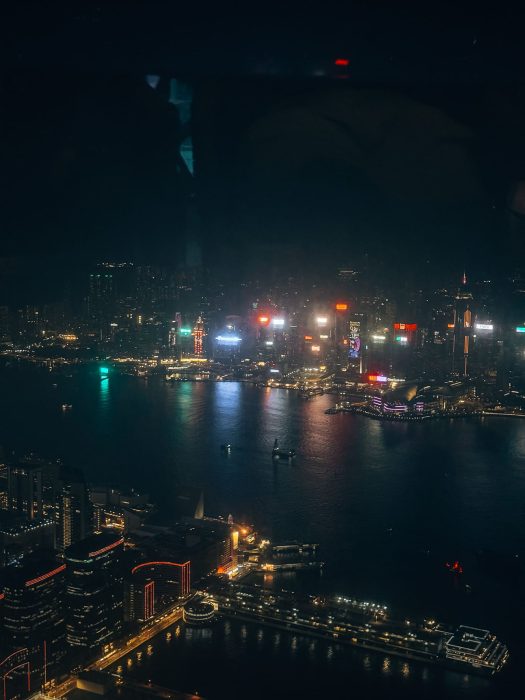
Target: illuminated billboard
[
  {"x": 355, "y": 347},
  {"x": 520, "y": 329},
  {"x": 341, "y": 307},
  {"x": 316, "y": 348},
  {"x": 278, "y": 322},
  {"x": 227, "y": 339},
  {"x": 410, "y": 327},
  {"x": 263, "y": 320},
  {"x": 377, "y": 378},
  {"x": 484, "y": 326},
  {"x": 185, "y": 331},
  {"x": 322, "y": 320}
]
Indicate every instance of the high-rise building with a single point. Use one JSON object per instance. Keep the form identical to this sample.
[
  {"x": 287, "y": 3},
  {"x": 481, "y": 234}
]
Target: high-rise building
[
  {"x": 20, "y": 536},
  {"x": 34, "y": 606},
  {"x": 94, "y": 594},
  {"x": 5, "y": 332},
  {"x": 75, "y": 510},
  {"x": 152, "y": 586},
  {"x": 24, "y": 489},
  {"x": 463, "y": 325},
  {"x": 198, "y": 335},
  {"x": 99, "y": 301}
]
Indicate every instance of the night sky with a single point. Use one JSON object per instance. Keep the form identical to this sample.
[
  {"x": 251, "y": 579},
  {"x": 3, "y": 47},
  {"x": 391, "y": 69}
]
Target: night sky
[{"x": 415, "y": 152}]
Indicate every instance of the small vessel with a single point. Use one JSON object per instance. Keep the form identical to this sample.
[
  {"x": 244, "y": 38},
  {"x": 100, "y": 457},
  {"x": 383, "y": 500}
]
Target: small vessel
[
  {"x": 67, "y": 406},
  {"x": 226, "y": 447},
  {"x": 278, "y": 453},
  {"x": 454, "y": 567}
]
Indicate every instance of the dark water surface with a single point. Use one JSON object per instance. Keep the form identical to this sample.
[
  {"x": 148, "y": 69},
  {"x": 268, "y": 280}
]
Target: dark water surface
[{"x": 388, "y": 503}]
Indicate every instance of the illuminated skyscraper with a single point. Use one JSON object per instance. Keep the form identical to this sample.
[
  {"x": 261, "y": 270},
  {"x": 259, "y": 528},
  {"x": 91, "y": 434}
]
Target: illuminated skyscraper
[
  {"x": 463, "y": 323},
  {"x": 198, "y": 335},
  {"x": 24, "y": 488},
  {"x": 99, "y": 301},
  {"x": 34, "y": 614},
  {"x": 75, "y": 511},
  {"x": 94, "y": 590}
]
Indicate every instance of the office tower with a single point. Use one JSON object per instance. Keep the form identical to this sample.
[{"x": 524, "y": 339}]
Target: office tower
[
  {"x": 20, "y": 536},
  {"x": 5, "y": 333},
  {"x": 99, "y": 302},
  {"x": 198, "y": 335},
  {"x": 463, "y": 323},
  {"x": 24, "y": 489},
  {"x": 75, "y": 510},
  {"x": 94, "y": 593},
  {"x": 152, "y": 586},
  {"x": 34, "y": 607}
]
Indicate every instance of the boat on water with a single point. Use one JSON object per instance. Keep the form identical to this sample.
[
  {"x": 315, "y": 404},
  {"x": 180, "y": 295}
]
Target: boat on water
[
  {"x": 279, "y": 453},
  {"x": 67, "y": 406},
  {"x": 226, "y": 447},
  {"x": 309, "y": 393}
]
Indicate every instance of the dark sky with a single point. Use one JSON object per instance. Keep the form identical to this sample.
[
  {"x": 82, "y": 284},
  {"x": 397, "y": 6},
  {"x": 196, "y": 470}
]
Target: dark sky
[{"x": 413, "y": 154}]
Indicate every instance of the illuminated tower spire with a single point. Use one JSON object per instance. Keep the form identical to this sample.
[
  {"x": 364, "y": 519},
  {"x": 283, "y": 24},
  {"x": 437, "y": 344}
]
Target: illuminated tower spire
[
  {"x": 198, "y": 335},
  {"x": 463, "y": 323}
]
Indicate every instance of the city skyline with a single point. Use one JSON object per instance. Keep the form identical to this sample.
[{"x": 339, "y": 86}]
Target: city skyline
[{"x": 262, "y": 353}]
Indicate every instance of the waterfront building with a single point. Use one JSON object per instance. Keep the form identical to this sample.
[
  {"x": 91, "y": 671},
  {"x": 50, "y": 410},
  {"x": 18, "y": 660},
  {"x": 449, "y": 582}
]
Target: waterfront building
[
  {"x": 33, "y": 614},
  {"x": 94, "y": 590},
  {"x": 153, "y": 585},
  {"x": 198, "y": 612},
  {"x": 463, "y": 327},
  {"x": 198, "y": 335}
]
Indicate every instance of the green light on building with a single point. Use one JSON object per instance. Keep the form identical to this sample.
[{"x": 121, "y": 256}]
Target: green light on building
[
  {"x": 520, "y": 329},
  {"x": 185, "y": 331}
]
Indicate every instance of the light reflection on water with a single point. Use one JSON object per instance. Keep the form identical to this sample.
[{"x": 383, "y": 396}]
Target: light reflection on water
[
  {"x": 304, "y": 666},
  {"x": 388, "y": 503}
]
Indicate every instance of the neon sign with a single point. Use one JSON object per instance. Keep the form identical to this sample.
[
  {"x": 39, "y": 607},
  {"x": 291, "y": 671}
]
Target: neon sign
[{"x": 377, "y": 378}]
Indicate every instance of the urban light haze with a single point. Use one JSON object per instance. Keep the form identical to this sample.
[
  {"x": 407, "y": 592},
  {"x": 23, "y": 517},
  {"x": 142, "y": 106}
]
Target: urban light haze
[{"x": 262, "y": 354}]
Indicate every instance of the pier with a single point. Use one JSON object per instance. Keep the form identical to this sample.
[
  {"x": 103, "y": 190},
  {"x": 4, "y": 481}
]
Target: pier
[{"x": 363, "y": 624}]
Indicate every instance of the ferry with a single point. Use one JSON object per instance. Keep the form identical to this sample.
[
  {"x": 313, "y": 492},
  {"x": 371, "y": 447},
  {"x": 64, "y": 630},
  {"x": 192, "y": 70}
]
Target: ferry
[{"x": 309, "y": 393}]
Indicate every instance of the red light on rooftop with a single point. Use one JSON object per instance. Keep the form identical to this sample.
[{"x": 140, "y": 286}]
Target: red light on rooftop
[
  {"x": 342, "y": 62},
  {"x": 341, "y": 307},
  {"x": 45, "y": 576},
  {"x": 103, "y": 550},
  {"x": 264, "y": 320}
]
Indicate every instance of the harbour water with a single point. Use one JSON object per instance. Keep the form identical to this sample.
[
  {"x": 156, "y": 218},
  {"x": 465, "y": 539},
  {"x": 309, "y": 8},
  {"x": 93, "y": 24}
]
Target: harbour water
[{"x": 389, "y": 504}]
